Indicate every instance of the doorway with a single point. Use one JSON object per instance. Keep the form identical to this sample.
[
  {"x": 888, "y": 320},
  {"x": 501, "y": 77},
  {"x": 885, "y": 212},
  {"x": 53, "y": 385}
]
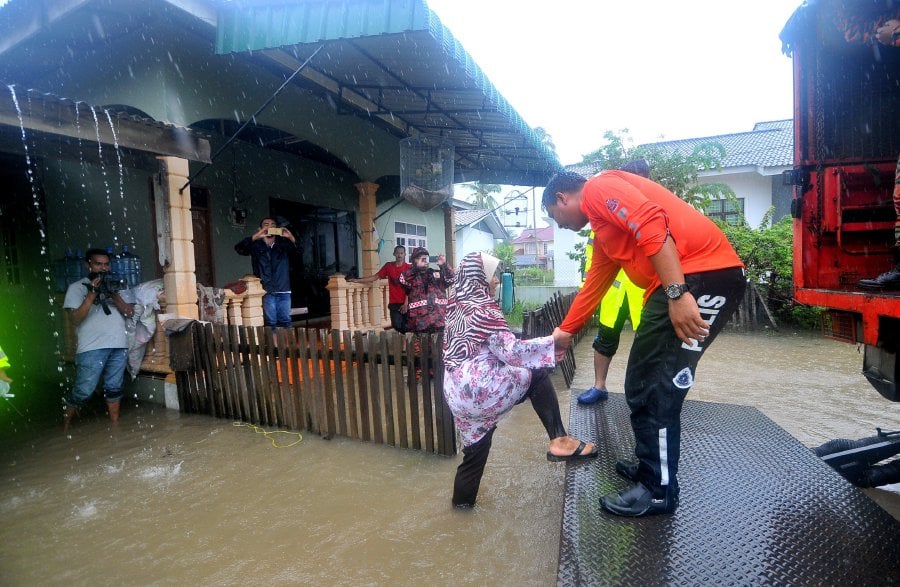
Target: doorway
[{"x": 326, "y": 239}]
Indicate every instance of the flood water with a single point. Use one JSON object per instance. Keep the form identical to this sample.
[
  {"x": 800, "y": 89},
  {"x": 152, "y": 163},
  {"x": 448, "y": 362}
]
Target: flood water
[{"x": 177, "y": 499}]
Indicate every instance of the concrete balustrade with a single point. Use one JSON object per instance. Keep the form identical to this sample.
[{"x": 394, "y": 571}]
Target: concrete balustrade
[{"x": 358, "y": 306}]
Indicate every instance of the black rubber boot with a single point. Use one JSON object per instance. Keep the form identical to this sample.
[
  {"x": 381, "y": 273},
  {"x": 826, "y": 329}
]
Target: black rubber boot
[{"x": 637, "y": 500}]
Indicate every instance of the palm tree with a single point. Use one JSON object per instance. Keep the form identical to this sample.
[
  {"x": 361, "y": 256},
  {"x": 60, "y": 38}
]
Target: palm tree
[{"x": 483, "y": 194}]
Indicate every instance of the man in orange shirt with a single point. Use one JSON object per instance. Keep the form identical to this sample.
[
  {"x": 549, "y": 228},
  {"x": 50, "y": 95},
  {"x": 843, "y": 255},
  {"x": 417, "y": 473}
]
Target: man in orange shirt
[{"x": 693, "y": 281}]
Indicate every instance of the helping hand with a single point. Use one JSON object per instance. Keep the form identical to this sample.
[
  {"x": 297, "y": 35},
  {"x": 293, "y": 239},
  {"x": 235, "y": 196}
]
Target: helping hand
[{"x": 562, "y": 340}]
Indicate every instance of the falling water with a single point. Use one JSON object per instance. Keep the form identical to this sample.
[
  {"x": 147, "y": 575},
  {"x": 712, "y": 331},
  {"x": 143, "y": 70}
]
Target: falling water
[
  {"x": 35, "y": 200},
  {"x": 115, "y": 137},
  {"x": 112, "y": 218}
]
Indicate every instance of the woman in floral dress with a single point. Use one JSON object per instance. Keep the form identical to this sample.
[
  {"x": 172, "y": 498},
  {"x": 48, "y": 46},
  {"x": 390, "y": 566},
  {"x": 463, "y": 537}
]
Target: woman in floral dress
[{"x": 488, "y": 371}]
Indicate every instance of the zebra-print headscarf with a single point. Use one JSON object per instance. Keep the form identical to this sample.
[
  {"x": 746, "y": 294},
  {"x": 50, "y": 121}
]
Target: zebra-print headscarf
[{"x": 472, "y": 314}]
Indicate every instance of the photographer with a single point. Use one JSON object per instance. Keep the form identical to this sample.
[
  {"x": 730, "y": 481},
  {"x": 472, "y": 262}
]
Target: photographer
[
  {"x": 270, "y": 249},
  {"x": 98, "y": 313}
]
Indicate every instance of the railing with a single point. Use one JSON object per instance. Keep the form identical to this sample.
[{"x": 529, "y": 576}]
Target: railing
[
  {"x": 358, "y": 306},
  {"x": 377, "y": 386}
]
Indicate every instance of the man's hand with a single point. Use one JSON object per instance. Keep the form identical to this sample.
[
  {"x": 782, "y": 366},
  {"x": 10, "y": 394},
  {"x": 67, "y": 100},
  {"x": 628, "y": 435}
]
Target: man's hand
[
  {"x": 441, "y": 259},
  {"x": 685, "y": 317},
  {"x": 404, "y": 308},
  {"x": 562, "y": 340},
  {"x": 263, "y": 231},
  {"x": 287, "y": 234}
]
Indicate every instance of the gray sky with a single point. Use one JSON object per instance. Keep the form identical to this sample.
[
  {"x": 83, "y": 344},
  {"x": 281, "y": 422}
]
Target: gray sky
[{"x": 664, "y": 70}]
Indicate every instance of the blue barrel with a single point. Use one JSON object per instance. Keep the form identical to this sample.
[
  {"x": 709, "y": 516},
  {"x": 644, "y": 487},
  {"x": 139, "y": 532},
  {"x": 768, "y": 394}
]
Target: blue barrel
[
  {"x": 132, "y": 267},
  {"x": 507, "y": 291}
]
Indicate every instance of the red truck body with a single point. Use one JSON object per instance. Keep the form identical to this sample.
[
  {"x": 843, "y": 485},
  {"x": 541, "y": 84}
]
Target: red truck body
[{"x": 846, "y": 146}]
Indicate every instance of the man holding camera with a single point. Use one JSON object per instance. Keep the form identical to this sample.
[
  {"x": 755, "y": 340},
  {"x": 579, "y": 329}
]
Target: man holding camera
[
  {"x": 270, "y": 249},
  {"x": 98, "y": 313}
]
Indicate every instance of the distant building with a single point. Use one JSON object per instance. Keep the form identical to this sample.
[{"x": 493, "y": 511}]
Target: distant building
[
  {"x": 534, "y": 248},
  {"x": 477, "y": 230}
]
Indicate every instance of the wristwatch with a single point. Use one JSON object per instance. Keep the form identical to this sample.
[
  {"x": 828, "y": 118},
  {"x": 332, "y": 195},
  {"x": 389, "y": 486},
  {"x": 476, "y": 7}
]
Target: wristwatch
[{"x": 674, "y": 290}]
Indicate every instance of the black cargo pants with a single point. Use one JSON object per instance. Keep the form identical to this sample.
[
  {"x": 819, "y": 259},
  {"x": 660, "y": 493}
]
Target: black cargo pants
[{"x": 661, "y": 371}]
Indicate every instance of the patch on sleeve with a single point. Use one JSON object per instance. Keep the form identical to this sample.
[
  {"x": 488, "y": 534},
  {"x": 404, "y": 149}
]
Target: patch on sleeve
[
  {"x": 612, "y": 204},
  {"x": 684, "y": 379}
]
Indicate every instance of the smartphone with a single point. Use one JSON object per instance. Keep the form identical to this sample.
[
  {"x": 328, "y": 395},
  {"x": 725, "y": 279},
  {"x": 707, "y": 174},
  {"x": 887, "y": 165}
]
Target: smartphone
[{"x": 275, "y": 231}]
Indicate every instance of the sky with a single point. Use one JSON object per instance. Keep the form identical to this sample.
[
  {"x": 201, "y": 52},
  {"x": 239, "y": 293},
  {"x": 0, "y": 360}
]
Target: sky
[{"x": 662, "y": 69}]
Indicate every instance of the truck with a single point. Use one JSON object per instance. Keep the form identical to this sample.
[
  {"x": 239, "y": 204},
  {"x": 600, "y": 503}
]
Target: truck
[{"x": 846, "y": 67}]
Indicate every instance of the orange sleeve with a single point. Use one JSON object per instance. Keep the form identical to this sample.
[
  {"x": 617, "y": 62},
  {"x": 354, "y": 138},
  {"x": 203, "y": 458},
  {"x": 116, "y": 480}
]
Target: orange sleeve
[{"x": 600, "y": 276}]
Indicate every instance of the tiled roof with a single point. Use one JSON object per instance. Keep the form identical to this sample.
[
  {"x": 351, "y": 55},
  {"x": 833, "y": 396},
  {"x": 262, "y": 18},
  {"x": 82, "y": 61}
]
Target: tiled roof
[
  {"x": 543, "y": 234},
  {"x": 467, "y": 217},
  {"x": 769, "y": 144}
]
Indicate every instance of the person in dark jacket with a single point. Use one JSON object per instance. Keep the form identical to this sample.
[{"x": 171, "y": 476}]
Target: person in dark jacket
[
  {"x": 270, "y": 249},
  {"x": 426, "y": 291}
]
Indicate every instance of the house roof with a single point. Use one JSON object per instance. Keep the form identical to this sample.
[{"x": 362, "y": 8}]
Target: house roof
[
  {"x": 470, "y": 217},
  {"x": 390, "y": 62},
  {"x": 769, "y": 147},
  {"x": 544, "y": 234},
  {"x": 395, "y": 63}
]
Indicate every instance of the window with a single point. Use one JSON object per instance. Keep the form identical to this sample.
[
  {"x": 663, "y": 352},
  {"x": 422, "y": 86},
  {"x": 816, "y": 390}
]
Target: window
[
  {"x": 727, "y": 211},
  {"x": 410, "y": 236}
]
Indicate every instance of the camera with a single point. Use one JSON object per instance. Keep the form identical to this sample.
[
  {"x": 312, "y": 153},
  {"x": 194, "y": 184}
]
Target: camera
[
  {"x": 109, "y": 282},
  {"x": 273, "y": 231}
]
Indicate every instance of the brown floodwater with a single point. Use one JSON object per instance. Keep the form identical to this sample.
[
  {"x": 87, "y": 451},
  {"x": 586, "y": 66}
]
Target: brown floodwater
[{"x": 183, "y": 499}]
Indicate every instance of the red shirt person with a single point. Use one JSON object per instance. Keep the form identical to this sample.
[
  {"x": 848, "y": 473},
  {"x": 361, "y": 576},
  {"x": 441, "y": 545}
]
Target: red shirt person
[
  {"x": 693, "y": 282},
  {"x": 396, "y": 293}
]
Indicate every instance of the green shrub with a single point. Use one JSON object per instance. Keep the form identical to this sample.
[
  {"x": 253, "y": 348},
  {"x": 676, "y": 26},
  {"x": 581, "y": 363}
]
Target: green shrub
[{"x": 515, "y": 316}]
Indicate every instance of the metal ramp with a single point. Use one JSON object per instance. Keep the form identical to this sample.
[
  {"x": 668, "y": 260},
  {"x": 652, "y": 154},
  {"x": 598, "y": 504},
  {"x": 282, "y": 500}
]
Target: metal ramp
[{"x": 757, "y": 508}]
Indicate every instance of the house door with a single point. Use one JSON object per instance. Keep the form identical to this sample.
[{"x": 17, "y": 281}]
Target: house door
[{"x": 202, "y": 225}]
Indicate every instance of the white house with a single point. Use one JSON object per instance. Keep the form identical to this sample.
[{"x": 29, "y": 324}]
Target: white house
[{"x": 477, "y": 230}]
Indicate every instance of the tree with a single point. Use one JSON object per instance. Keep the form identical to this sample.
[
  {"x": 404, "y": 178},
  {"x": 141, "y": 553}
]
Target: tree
[
  {"x": 506, "y": 253},
  {"x": 678, "y": 172},
  {"x": 767, "y": 252},
  {"x": 483, "y": 193}
]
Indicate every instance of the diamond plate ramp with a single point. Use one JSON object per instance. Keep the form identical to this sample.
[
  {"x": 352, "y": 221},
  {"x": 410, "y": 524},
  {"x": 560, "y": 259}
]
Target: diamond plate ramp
[{"x": 757, "y": 508}]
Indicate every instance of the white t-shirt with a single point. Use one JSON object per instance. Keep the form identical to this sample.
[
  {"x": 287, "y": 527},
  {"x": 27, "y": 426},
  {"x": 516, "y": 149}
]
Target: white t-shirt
[{"x": 97, "y": 330}]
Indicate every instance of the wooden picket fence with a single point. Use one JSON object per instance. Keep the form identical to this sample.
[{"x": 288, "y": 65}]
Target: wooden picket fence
[
  {"x": 543, "y": 320},
  {"x": 376, "y": 386}
]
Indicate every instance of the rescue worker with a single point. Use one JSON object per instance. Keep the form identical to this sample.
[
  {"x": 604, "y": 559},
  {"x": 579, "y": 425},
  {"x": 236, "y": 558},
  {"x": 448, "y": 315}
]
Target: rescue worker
[{"x": 693, "y": 282}]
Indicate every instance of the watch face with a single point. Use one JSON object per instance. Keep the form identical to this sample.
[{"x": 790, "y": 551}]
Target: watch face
[{"x": 674, "y": 291}]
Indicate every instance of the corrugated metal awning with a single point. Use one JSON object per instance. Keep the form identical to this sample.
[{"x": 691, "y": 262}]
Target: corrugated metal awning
[{"x": 394, "y": 62}]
